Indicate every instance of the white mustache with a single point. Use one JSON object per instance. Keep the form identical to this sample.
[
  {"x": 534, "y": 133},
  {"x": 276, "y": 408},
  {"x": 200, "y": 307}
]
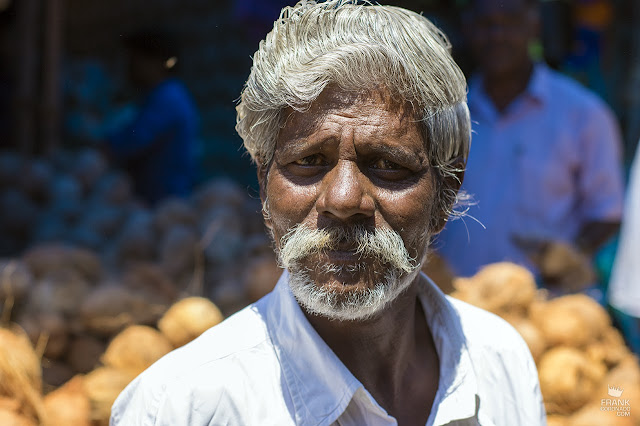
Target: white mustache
[{"x": 384, "y": 245}]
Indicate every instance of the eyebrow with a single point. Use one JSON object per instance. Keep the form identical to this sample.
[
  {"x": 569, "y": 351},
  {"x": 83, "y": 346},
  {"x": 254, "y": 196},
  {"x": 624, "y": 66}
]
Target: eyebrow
[
  {"x": 397, "y": 152},
  {"x": 302, "y": 143},
  {"x": 313, "y": 140}
]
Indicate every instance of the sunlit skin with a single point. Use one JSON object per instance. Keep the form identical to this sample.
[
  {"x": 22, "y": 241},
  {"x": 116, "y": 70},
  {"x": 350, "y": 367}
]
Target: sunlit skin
[{"x": 361, "y": 159}]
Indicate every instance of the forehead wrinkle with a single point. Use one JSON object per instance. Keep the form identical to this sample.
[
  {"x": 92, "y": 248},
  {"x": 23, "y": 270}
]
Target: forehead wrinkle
[{"x": 299, "y": 126}]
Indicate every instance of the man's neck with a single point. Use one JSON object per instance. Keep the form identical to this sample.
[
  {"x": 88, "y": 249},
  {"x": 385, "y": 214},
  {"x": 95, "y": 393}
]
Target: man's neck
[
  {"x": 392, "y": 354},
  {"x": 503, "y": 89}
]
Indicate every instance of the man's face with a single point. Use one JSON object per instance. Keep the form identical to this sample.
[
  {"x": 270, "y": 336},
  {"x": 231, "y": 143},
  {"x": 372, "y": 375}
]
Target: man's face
[
  {"x": 499, "y": 34},
  {"x": 350, "y": 195}
]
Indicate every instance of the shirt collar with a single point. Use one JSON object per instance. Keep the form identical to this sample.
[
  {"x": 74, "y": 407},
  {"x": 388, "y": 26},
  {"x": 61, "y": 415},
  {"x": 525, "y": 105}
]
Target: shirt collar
[
  {"x": 321, "y": 385},
  {"x": 457, "y": 401}
]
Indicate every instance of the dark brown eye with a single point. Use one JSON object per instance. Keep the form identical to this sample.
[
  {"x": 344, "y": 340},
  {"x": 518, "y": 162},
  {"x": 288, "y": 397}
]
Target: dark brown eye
[
  {"x": 387, "y": 170},
  {"x": 310, "y": 160},
  {"x": 382, "y": 164}
]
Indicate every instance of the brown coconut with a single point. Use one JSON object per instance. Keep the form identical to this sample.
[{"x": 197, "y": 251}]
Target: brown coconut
[
  {"x": 564, "y": 266},
  {"x": 502, "y": 288},
  {"x": 593, "y": 415},
  {"x": 15, "y": 281},
  {"x": 228, "y": 292},
  {"x": 88, "y": 166},
  {"x": 465, "y": 290},
  {"x": 626, "y": 376},
  {"x": 47, "y": 258},
  {"x": 152, "y": 281},
  {"x": 19, "y": 213},
  {"x": 18, "y": 361},
  {"x": 7, "y": 403},
  {"x": 49, "y": 327},
  {"x": 60, "y": 292},
  {"x": 103, "y": 385},
  {"x": 14, "y": 418},
  {"x": 84, "y": 353},
  {"x": 574, "y": 320},
  {"x": 627, "y": 372},
  {"x": 610, "y": 348},
  {"x": 439, "y": 271},
  {"x": 188, "y": 319},
  {"x": 102, "y": 220},
  {"x": 531, "y": 335},
  {"x": 568, "y": 379},
  {"x": 174, "y": 211},
  {"x": 68, "y": 405},
  {"x": 20, "y": 373},
  {"x": 54, "y": 374},
  {"x": 217, "y": 192},
  {"x": 555, "y": 420},
  {"x": 136, "y": 242},
  {"x": 135, "y": 348},
  {"x": 35, "y": 179},
  {"x": 260, "y": 276},
  {"x": 110, "y": 308},
  {"x": 113, "y": 187},
  {"x": 178, "y": 249}
]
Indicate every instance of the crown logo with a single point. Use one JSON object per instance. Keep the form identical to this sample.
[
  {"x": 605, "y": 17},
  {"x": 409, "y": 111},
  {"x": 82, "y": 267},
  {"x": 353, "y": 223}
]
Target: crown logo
[{"x": 614, "y": 391}]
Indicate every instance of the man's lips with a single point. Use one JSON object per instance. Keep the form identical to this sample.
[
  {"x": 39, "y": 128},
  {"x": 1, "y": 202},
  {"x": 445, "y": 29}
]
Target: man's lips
[{"x": 342, "y": 256}]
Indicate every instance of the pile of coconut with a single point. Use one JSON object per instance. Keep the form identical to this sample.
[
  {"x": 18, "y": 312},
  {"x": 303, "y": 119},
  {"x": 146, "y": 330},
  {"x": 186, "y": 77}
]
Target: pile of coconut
[
  {"x": 579, "y": 354},
  {"x": 70, "y": 305},
  {"x": 86, "y": 399},
  {"x": 214, "y": 240}
]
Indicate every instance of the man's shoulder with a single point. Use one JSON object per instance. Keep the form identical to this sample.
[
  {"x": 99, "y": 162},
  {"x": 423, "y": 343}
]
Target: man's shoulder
[
  {"x": 502, "y": 363},
  {"x": 572, "y": 93},
  {"x": 223, "y": 366},
  {"x": 485, "y": 331}
]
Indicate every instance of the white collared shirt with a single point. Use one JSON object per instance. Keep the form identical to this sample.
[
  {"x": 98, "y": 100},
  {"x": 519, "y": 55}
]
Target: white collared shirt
[{"x": 266, "y": 365}]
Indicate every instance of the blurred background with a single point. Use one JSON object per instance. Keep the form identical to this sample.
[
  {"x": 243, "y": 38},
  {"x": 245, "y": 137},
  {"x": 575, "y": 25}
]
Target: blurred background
[
  {"x": 63, "y": 66},
  {"x": 66, "y": 89},
  {"x": 86, "y": 251}
]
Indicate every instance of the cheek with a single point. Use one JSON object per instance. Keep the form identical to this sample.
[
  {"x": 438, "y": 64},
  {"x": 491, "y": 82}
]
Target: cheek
[
  {"x": 410, "y": 212},
  {"x": 288, "y": 204}
]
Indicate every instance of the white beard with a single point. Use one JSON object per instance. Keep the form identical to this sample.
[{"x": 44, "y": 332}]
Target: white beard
[{"x": 351, "y": 304}]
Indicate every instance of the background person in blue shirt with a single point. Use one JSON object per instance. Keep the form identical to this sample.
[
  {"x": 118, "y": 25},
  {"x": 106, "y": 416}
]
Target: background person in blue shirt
[
  {"x": 544, "y": 167},
  {"x": 158, "y": 148}
]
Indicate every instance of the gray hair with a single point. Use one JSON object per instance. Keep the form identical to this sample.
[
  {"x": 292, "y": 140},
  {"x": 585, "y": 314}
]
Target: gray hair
[{"x": 357, "y": 47}]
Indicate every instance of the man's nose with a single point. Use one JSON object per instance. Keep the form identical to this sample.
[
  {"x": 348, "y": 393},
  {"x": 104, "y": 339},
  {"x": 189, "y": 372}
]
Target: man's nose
[{"x": 346, "y": 193}]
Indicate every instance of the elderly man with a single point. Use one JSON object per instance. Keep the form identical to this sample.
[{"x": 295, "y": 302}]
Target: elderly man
[{"x": 357, "y": 119}]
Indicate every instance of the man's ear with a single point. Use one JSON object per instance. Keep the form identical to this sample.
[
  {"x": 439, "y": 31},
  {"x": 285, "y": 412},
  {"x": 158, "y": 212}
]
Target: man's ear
[
  {"x": 263, "y": 171},
  {"x": 448, "y": 190}
]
